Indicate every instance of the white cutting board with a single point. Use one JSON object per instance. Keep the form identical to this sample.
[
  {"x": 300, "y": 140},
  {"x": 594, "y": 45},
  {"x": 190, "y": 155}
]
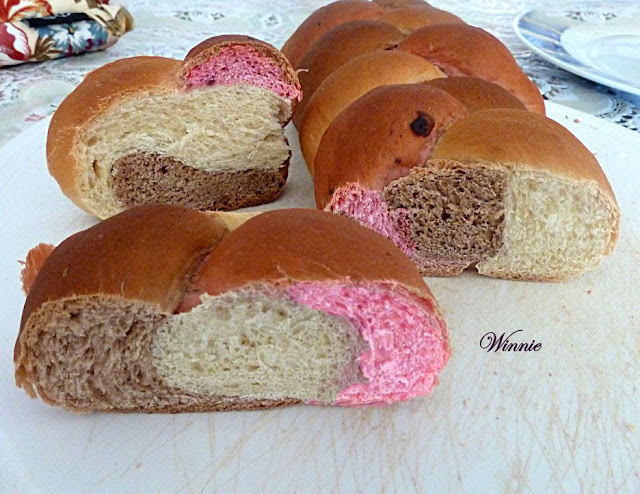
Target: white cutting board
[{"x": 565, "y": 418}]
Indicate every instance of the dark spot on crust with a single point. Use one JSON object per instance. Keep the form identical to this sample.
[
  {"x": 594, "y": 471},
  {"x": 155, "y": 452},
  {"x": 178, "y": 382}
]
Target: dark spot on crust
[
  {"x": 332, "y": 190},
  {"x": 398, "y": 161},
  {"x": 423, "y": 124}
]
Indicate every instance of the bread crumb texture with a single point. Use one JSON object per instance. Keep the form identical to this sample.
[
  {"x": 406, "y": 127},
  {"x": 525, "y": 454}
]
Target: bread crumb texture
[
  {"x": 519, "y": 224},
  {"x": 554, "y": 228},
  {"x": 214, "y": 129},
  {"x": 260, "y": 346}
]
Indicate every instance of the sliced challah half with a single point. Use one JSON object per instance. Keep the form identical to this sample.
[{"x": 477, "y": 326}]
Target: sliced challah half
[
  {"x": 205, "y": 132},
  {"x": 507, "y": 191},
  {"x": 167, "y": 309}
]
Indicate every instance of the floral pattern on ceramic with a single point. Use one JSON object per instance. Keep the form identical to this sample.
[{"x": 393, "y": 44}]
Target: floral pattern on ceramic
[{"x": 38, "y": 30}]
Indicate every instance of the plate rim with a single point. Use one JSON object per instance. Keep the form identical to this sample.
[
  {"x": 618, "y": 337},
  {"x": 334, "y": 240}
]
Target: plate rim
[{"x": 594, "y": 75}]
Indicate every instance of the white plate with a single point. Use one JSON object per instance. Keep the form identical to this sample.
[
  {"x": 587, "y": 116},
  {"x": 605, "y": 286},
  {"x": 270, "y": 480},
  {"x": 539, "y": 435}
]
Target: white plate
[
  {"x": 596, "y": 41},
  {"x": 566, "y": 418}
]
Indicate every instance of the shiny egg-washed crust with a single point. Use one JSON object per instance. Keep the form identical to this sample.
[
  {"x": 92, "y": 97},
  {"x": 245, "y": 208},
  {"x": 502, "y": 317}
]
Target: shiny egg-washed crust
[
  {"x": 346, "y": 154},
  {"x": 524, "y": 141},
  {"x": 477, "y": 94},
  {"x": 323, "y": 19},
  {"x": 471, "y": 51},
  {"x": 351, "y": 81},
  {"x": 336, "y": 47},
  {"x": 409, "y": 18},
  {"x": 211, "y": 47},
  {"x": 153, "y": 255}
]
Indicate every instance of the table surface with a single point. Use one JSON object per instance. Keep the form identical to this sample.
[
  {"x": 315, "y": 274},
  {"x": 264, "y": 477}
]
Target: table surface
[{"x": 30, "y": 92}]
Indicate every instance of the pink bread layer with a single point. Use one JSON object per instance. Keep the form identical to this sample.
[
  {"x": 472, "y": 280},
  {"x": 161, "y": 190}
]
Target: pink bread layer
[
  {"x": 242, "y": 64},
  {"x": 407, "y": 340},
  {"x": 367, "y": 208}
]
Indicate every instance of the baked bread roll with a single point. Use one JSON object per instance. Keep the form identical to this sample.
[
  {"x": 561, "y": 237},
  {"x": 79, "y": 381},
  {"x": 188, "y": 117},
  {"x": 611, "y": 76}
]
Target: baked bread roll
[
  {"x": 165, "y": 309},
  {"x": 324, "y": 19},
  {"x": 351, "y": 81},
  {"x": 205, "y": 132},
  {"x": 477, "y": 94},
  {"x": 509, "y": 192},
  {"x": 335, "y": 48},
  {"x": 463, "y": 50}
]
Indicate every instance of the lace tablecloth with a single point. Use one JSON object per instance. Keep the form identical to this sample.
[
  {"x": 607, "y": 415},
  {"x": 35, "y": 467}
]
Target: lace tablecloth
[{"x": 31, "y": 92}]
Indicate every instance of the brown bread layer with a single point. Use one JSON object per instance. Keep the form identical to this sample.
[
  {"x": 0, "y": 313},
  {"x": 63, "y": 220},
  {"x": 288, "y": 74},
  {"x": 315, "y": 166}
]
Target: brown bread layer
[
  {"x": 148, "y": 178},
  {"x": 457, "y": 214}
]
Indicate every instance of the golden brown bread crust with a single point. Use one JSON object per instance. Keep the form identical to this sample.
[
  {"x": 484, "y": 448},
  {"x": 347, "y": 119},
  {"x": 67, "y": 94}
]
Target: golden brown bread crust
[
  {"x": 477, "y": 94},
  {"x": 93, "y": 96},
  {"x": 408, "y": 19},
  {"x": 305, "y": 245},
  {"x": 523, "y": 140},
  {"x": 212, "y": 46},
  {"x": 336, "y": 47},
  {"x": 350, "y": 82},
  {"x": 384, "y": 146},
  {"x": 32, "y": 265},
  {"x": 323, "y": 19},
  {"x": 463, "y": 50}
]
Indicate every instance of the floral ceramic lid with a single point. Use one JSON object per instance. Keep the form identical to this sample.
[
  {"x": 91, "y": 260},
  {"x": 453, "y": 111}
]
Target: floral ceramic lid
[{"x": 38, "y": 30}]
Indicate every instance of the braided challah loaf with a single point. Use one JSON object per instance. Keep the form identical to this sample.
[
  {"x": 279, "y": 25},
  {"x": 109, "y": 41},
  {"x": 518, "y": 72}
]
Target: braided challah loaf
[{"x": 445, "y": 159}]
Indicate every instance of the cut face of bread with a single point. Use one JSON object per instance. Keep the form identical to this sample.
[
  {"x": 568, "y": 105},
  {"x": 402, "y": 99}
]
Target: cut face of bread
[
  {"x": 554, "y": 228},
  {"x": 316, "y": 343},
  {"x": 444, "y": 219},
  {"x": 523, "y": 225},
  {"x": 208, "y": 148},
  {"x": 505, "y": 206},
  {"x": 242, "y": 64},
  {"x": 177, "y": 328},
  {"x": 204, "y": 133}
]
